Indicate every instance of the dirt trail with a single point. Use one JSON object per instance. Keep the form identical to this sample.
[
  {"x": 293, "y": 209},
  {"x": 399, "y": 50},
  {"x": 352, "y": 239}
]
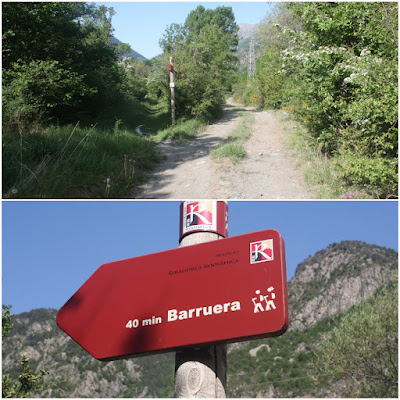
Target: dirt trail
[{"x": 267, "y": 172}]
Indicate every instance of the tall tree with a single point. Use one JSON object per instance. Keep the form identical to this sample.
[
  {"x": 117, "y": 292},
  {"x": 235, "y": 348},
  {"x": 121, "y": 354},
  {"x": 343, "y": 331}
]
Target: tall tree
[
  {"x": 351, "y": 24},
  {"x": 41, "y": 31},
  {"x": 68, "y": 42},
  {"x": 203, "y": 50},
  {"x": 221, "y": 17}
]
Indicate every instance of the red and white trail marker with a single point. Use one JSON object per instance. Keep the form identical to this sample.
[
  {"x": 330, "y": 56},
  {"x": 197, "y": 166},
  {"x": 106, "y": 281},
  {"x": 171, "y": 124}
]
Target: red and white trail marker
[{"x": 203, "y": 216}]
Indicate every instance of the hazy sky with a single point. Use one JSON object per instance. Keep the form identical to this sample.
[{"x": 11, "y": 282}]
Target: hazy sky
[
  {"x": 142, "y": 24},
  {"x": 50, "y": 248}
]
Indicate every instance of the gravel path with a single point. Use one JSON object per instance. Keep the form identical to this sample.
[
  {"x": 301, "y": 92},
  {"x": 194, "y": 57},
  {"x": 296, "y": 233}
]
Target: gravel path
[{"x": 267, "y": 172}]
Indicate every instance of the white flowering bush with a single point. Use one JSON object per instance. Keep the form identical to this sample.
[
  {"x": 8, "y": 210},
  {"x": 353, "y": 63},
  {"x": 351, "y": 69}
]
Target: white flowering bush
[{"x": 338, "y": 74}]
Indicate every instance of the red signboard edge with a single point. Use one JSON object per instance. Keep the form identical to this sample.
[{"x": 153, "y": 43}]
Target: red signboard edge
[{"x": 279, "y": 332}]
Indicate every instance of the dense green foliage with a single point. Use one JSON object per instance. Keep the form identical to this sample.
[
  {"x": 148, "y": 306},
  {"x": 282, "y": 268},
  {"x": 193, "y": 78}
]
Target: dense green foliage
[
  {"x": 6, "y": 321},
  {"x": 203, "y": 54},
  {"x": 72, "y": 102},
  {"x": 71, "y": 106},
  {"x": 364, "y": 348},
  {"x": 334, "y": 65},
  {"x": 58, "y": 63},
  {"x": 27, "y": 383}
]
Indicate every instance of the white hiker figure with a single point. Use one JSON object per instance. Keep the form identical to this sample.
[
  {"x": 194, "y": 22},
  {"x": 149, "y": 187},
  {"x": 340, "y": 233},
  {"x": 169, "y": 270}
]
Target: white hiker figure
[
  {"x": 258, "y": 304},
  {"x": 270, "y": 303},
  {"x": 257, "y": 301}
]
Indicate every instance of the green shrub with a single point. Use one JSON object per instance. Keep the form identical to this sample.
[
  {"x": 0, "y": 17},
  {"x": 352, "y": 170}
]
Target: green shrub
[
  {"x": 202, "y": 50},
  {"x": 335, "y": 67},
  {"x": 363, "y": 348},
  {"x": 37, "y": 90},
  {"x": 378, "y": 175}
]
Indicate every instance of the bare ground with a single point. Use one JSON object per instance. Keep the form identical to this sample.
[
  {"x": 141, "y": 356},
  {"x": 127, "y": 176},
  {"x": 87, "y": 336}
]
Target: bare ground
[{"x": 267, "y": 172}]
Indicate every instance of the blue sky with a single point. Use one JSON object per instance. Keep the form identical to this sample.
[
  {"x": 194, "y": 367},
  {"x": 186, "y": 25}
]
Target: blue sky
[
  {"x": 51, "y": 248},
  {"x": 142, "y": 24}
]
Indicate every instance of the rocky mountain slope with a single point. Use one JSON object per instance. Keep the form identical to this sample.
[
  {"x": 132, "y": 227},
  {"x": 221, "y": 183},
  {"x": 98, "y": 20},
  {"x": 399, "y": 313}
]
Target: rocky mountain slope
[
  {"x": 335, "y": 279},
  {"x": 132, "y": 53},
  {"x": 324, "y": 287},
  {"x": 246, "y": 33}
]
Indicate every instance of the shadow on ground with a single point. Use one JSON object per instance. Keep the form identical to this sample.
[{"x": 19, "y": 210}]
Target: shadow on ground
[{"x": 177, "y": 152}]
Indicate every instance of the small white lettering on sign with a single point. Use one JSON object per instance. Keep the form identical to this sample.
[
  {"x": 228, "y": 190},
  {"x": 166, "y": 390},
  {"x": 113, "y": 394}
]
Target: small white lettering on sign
[
  {"x": 152, "y": 321},
  {"x": 132, "y": 323}
]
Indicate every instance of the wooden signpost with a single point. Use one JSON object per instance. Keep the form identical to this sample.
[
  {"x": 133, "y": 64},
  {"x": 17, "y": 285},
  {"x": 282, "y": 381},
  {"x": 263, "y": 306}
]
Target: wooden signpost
[
  {"x": 193, "y": 300},
  {"x": 201, "y": 372},
  {"x": 172, "y": 86}
]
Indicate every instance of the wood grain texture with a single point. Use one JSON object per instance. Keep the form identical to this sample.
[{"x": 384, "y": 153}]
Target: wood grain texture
[{"x": 200, "y": 372}]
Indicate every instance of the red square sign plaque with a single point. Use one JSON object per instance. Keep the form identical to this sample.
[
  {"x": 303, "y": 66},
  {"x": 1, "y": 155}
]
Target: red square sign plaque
[{"x": 222, "y": 291}]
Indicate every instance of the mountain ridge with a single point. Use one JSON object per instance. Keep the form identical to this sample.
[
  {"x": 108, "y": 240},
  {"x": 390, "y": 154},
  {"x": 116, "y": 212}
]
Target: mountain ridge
[
  {"x": 246, "y": 33},
  {"x": 131, "y": 53}
]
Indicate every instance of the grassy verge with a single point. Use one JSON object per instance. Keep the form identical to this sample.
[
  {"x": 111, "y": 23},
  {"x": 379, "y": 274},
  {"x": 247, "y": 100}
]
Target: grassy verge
[
  {"x": 232, "y": 146},
  {"x": 74, "y": 162},
  {"x": 83, "y": 161},
  {"x": 130, "y": 114},
  {"x": 321, "y": 173},
  {"x": 182, "y": 130}
]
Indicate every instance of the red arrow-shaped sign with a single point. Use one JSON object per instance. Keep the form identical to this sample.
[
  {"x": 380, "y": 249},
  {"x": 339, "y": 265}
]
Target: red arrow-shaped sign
[{"x": 222, "y": 291}]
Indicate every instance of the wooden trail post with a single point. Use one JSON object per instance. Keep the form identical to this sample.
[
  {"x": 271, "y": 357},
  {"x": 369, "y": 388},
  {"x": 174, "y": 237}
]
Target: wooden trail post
[
  {"x": 149, "y": 303},
  {"x": 200, "y": 372},
  {"x": 172, "y": 86}
]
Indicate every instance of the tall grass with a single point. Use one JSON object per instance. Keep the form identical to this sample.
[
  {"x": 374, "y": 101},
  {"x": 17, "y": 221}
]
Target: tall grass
[
  {"x": 232, "y": 147},
  {"x": 182, "y": 130},
  {"x": 154, "y": 116},
  {"x": 74, "y": 162}
]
